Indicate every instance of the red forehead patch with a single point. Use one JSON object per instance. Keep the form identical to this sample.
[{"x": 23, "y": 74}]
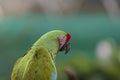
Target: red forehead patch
[{"x": 68, "y": 37}]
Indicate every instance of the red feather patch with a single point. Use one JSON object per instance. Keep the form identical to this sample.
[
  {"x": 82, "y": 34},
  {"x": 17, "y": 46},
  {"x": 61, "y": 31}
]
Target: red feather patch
[{"x": 68, "y": 37}]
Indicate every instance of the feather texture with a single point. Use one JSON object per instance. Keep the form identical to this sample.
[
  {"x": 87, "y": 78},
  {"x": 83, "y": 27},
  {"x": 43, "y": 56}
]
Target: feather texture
[
  {"x": 33, "y": 66},
  {"x": 38, "y": 62}
]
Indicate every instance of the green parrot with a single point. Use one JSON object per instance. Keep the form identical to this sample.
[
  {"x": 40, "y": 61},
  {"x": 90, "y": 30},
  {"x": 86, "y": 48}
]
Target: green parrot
[{"x": 38, "y": 63}]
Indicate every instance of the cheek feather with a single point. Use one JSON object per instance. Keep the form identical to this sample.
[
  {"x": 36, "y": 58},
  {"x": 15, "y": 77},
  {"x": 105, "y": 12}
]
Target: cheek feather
[{"x": 62, "y": 40}]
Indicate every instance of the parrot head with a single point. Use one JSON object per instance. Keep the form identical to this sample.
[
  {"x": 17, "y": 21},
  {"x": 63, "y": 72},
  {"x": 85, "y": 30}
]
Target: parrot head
[
  {"x": 64, "y": 42},
  {"x": 55, "y": 41}
]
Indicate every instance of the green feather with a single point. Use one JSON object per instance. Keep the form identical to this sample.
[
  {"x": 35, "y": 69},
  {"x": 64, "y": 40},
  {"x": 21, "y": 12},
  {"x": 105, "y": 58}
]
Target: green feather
[{"x": 38, "y": 63}]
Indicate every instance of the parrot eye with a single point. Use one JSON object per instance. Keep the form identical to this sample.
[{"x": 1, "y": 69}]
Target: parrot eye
[{"x": 64, "y": 43}]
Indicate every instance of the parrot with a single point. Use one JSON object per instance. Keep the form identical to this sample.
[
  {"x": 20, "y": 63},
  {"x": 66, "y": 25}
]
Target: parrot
[{"x": 39, "y": 62}]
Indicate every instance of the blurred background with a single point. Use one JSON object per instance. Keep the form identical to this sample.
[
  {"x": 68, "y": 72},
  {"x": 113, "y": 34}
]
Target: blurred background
[{"x": 93, "y": 24}]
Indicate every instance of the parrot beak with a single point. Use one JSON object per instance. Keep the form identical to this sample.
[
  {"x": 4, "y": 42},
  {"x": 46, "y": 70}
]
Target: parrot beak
[
  {"x": 65, "y": 48},
  {"x": 64, "y": 43}
]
